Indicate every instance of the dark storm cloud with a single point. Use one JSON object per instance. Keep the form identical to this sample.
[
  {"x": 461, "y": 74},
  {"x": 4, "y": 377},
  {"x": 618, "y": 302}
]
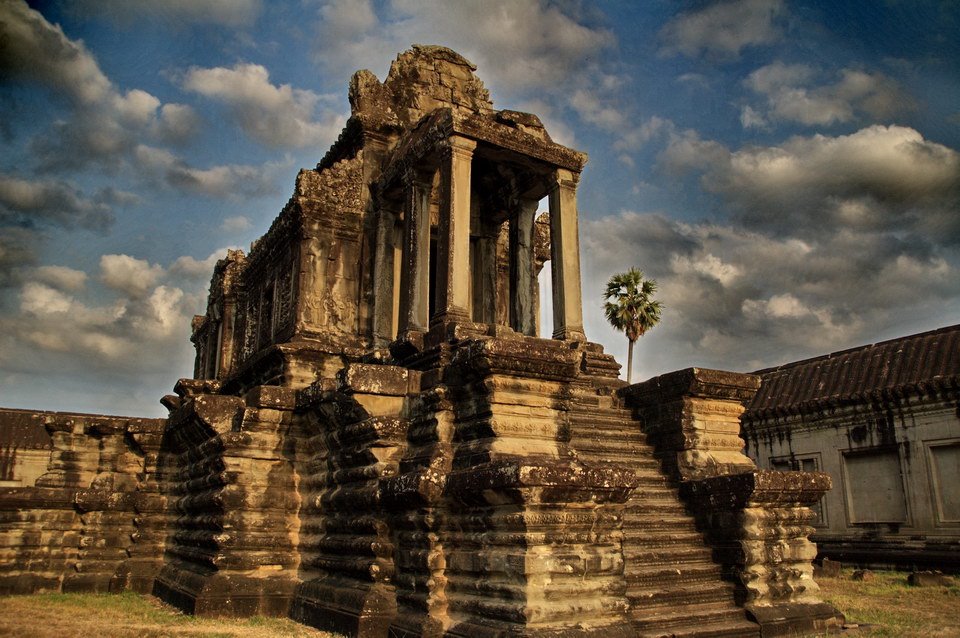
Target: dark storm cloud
[{"x": 50, "y": 203}]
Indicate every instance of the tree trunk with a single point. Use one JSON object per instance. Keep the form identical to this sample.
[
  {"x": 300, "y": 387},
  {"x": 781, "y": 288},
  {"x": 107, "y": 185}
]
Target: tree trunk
[{"x": 630, "y": 361}]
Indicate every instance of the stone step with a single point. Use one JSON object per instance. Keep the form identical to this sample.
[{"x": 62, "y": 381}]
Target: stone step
[
  {"x": 659, "y": 490},
  {"x": 732, "y": 629},
  {"x": 700, "y": 620},
  {"x": 676, "y": 556},
  {"x": 640, "y": 576},
  {"x": 608, "y": 423},
  {"x": 639, "y": 522},
  {"x": 678, "y": 537},
  {"x": 661, "y": 507},
  {"x": 625, "y": 429},
  {"x": 683, "y": 593}
]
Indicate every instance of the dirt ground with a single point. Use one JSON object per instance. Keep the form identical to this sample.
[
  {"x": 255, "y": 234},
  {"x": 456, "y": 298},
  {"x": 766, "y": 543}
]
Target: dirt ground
[
  {"x": 882, "y": 605},
  {"x": 129, "y": 616}
]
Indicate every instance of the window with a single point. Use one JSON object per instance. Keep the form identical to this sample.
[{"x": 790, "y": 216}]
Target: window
[
  {"x": 874, "y": 486},
  {"x": 945, "y": 475}
]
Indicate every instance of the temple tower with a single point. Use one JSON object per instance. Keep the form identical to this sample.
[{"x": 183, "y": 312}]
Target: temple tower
[{"x": 378, "y": 440}]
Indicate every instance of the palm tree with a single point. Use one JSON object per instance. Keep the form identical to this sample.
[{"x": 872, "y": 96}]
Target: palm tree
[{"x": 631, "y": 310}]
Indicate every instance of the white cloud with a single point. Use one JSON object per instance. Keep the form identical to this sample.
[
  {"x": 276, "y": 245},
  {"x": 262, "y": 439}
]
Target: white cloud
[
  {"x": 38, "y": 299},
  {"x": 60, "y": 278},
  {"x": 137, "y": 327},
  {"x": 591, "y": 109},
  {"x": 36, "y": 50},
  {"x": 18, "y": 249},
  {"x": 752, "y": 119},
  {"x": 687, "y": 151},
  {"x": 707, "y": 265},
  {"x": 276, "y": 116},
  {"x": 791, "y": 95},
  {"x": 132, "y": 276},
  {"x": 722, "y": 30},
  {"x": 224, "y": 181},
  {"x": 235, "y": 224},
  {"x": 188, "y": 266},
  {"x": 740, "y": 299},
  {"x": 177, "y": 124},
  {"x": 876, "y": 179},
  {"x": 632, "y": 138},
  {"x": 522, "y": 47},
  {"x": 160, "y": 314}
]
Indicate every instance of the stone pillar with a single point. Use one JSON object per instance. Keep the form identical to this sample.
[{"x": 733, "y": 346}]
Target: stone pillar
[
  {"x": 225, "y": 338},
  {"x": 383, "y": 273},
  {"x": 565, "y": 258},
  {"x": 453, "y": 245},
  {"x": 523, "y": 279},
  {"x": 415, "y": 276}
]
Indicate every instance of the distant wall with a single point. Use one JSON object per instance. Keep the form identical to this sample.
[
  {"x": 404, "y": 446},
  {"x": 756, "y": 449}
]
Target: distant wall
[
  {"x": 895, "y": 464},
  {"x": 71, "y": 489}
]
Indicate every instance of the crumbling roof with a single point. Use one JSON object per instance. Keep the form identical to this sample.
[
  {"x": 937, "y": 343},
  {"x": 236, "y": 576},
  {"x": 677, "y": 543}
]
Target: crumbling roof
[{"x": 918, "y": 364}]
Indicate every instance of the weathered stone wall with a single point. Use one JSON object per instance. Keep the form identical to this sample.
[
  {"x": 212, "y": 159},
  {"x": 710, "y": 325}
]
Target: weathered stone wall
[{"x": 73, "y": 526}]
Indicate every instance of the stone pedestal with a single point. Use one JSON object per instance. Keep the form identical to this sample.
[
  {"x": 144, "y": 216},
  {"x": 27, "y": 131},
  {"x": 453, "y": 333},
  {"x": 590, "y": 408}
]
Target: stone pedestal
[
  {"x": 758, "y": 524},
  {"x": 354, "y": 429},
  {"x": 231, "y": 548}
]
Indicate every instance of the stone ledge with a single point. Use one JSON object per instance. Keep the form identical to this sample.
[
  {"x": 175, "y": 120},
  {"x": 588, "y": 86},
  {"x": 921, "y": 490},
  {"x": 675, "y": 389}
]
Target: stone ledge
[
  {"x": 693, "y": 382},
  {"x": 757, "y": 487}
]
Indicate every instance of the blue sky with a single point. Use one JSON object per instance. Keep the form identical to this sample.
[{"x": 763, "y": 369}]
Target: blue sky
[{"x": 788, "y": 171}]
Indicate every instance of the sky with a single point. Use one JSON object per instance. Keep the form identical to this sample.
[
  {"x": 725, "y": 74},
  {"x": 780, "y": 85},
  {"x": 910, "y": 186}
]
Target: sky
[{"x": 788, "y": 171}]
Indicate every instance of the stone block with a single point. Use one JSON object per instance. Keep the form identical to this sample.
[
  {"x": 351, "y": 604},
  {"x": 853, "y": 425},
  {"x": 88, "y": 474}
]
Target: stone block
[
  {"x": 929, "y": 579},
  {"x": 827, "y": 569}
]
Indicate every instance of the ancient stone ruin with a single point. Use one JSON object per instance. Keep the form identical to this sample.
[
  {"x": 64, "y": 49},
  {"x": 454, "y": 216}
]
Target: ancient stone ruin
[{"x": 378, "y": 442}]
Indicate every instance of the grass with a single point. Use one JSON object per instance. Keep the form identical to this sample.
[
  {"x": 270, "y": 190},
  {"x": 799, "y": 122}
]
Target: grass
[
  {"x": 885, "y": 605},
  {"x": 129, "y": 615}
]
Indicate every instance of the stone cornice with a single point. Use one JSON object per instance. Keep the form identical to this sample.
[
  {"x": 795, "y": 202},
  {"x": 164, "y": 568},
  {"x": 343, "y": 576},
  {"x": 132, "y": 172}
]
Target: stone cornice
[
  {"x": 693, "y": 382},
  {"x": 443, "y": 123},
  {"x": 757, "y": 488}
]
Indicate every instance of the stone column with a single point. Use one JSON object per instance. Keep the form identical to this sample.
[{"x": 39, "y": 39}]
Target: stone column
[
  {"x": 523, "y": 279},
  {"x": 383, "y": 274},
  {"x": 415, "y": 276},
  {"x": 453, "y": 245},
  {"x": 565, "y": 258}
]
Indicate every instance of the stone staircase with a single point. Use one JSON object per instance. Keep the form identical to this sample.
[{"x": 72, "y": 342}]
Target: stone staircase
[{"x": 673, "y": 586}]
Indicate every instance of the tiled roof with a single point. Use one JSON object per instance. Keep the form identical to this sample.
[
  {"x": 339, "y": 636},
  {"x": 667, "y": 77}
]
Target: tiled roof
[
  {"x": 22, "y": 429},
  {"x": 917, "y": 364}
]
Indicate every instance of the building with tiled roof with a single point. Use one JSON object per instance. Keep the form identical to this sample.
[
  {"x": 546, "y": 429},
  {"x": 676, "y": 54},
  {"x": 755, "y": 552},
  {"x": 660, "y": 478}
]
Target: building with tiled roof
[{"x": 884, "y": 421}]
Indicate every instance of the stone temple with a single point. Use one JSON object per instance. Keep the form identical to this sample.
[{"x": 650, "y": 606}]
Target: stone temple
[{"x": 378, "y": 442}]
